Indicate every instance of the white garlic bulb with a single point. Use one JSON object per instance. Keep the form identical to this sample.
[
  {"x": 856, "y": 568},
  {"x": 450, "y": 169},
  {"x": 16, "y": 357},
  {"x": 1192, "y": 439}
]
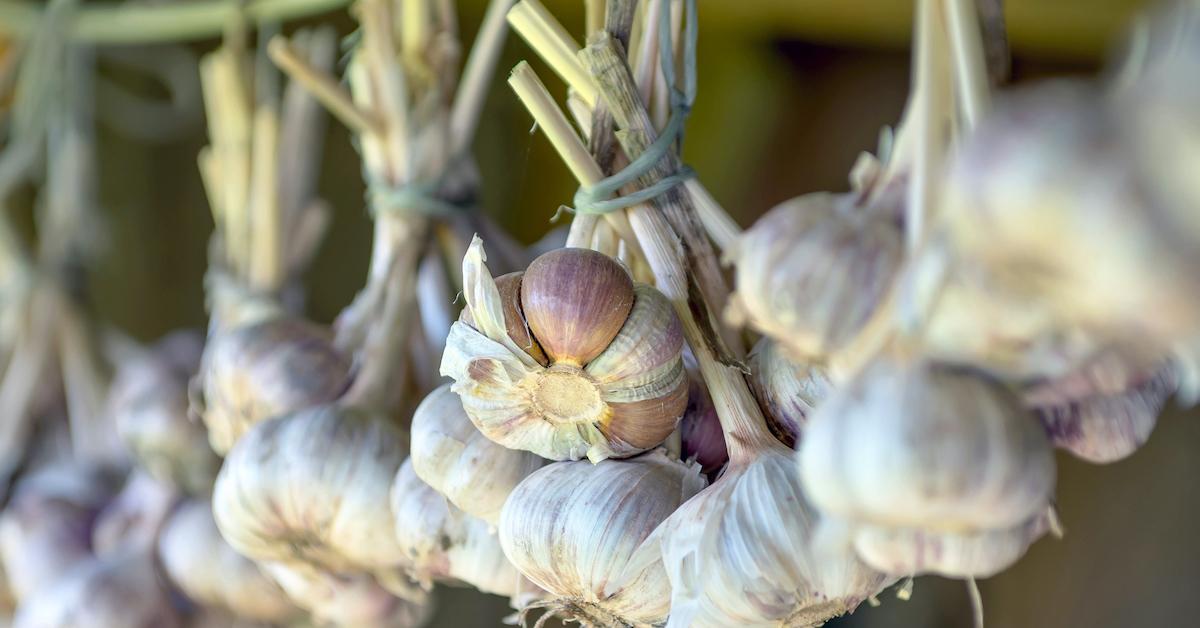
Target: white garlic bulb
[
  {"x": 206, "y": 569},
  {"x": 962, "y": 554},
  {"x": 445, "y": 544},
  {"x": 350, "y": 600},
  {"x": 812, "y": 272},
  {"x": 743, "y": 553},
  {"x": 569, "y": 359},
  {"x": 1101, "y": 421},
  {"x": 573, "y": 528},
  {"x": 452, "y": 456},
  {"x": 118, "y": 591},
  {"x": 148, "y": 401},
  {"x": 134, "y": 518},
  {"x": 313, "y": 487},
  {"x": 787, "y": 391},
  {"x": 264, "y": 370},
  {"x": 909, "y": 443}
]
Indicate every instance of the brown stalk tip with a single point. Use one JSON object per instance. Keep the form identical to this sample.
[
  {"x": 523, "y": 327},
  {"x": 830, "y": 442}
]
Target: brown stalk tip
[{"x": 575, "y": 301}]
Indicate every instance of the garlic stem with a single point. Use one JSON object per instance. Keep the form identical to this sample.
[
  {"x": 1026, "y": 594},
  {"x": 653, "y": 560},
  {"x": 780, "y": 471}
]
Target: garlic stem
[
  {"x": 593, "y": 13},
  {"x": 323, "y": 87},
  {"x": 477, "y": 75},
  {"x": 962, "y": 20},
  {"x": 545, "y": 35},
  {"x": 717, "y": 222}
]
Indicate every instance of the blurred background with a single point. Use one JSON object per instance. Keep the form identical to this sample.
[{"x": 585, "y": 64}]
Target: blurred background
[{"x": 790, "y": 92}]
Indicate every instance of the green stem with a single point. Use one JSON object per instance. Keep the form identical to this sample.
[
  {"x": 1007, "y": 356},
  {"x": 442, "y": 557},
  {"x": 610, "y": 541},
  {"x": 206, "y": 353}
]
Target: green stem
[{"x": 128, "y": 23}]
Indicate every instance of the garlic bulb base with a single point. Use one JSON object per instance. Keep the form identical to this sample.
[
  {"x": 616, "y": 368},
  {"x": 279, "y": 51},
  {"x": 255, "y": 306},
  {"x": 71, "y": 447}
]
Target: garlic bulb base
[{"x": 576, "y": 610}]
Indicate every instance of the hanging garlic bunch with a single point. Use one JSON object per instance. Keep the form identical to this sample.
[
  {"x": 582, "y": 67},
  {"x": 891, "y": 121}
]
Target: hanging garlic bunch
[
  {"x": 148, "y": 401},
  {"x": 444, "y": 544},
  {"x": 449, "y": 454},
  {"x": 118, "y": 591},
  {"x": 310, "y": 487},
  {"x": 206, "y": 569},
  {"x": 356, "y": 600},
  {"x": 936, "y": 450},
  {"x": 1104, "y": 411},
  {"x": 788, "y": 392},
  {"x": 265, "y": 370},
  {"x": 812, "y": 272},
  {"x": 573, "y": 527},
  {"x": 46, "y": 528},
  {"x": 569, "y": 359}
]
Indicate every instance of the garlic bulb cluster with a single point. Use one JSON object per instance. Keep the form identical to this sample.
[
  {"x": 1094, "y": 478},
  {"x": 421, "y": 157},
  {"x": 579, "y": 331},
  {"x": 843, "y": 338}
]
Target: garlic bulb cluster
[
  {"x": 812, "y": 271},
  {"x": 450, "y": 455},
  {"x": 118, "y": 591},
  {"x": 574, "y": 528},
  {"x": 442, "y": 543},
  {"x": 569, "y": 359},
  {"x": 1102, "y": 413},
  {"x": 936, "y": 449},
  {"x": 148, "y": 401},
  {"x": 744, "y": 553},
  {"x": 788, "y": 391},
  {"x": 206, "y": 569},
  {"x": 349, "y": 600},
  {"x": 312, "y": 487},
  {"x": 264, "y": 370}
]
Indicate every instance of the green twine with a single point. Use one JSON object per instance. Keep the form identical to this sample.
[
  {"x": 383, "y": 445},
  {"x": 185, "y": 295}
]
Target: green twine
[
  {"x": 598, "y": 198},
  {"x": 411, "y": 198}
]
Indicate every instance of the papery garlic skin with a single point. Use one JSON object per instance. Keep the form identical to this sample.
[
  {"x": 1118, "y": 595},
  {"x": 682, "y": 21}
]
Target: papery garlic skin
[
  {"x": 788, "y": 392},
  {"x": 452, "y": 456},
  {"x": 148, "y": 401},
  {"x": 202, "y": 565},
  {"x": 1101, "y": 426},
  {"x": 573, "y": 528},
  {"x": 973, "y": 554},
  {"x": 264, "y": 370},
  {"x": 349, "y": 601},
  {"x": 742, "y": 553},
  {"x": 445, "y": 544},
  {"x": 312, "y": 487},
  {"x": 812, "y": 271},
  {"x": 916, "y": 444},
  {"x": 614, "y": 385},
  {"x": 119, "y": 591}
]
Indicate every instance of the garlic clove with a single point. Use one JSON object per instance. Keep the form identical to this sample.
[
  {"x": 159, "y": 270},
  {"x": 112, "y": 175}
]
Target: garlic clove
[
  {"x": 1095, "y": 422},
  {"x": 452, "y": 456},
  {"x": 307, "y": 487},
  {"x": 576, "y": 301},
  {"x": 514, "y": 320},
  {"x": 964, "y": 554},
  {"x": 743, "y": 552},
  {"x": 573, "y": 528},
  {"x": 264, "y": 370},
  {"x": 206, "y": 569},
  {"x": 933, "y": 446},
  {"x": 445, "y": 544},
  {"x": 701, "y": 438},
  {"x": 119, "y": 591},
  {"x": 788, "y": 392},
  {"x": 349, "y": 600},
  {"x": 812, "y": 271}
]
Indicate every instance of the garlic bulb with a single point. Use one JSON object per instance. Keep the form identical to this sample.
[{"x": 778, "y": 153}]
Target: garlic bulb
[
  {"x": 787, "y": 391},
  {"x": 700, "y": 432},
  {"x": 573, "y": 528},
  {"x": 963, "y": 554},
  {"x": 916, "y": 444},
  {"x": 118, "y": 591},
  {"x": 612, "y": 382},
  {"x": 133, "y": 519},
  {"x": 312, "y": 487},
  {"x": 1045, "y": 196},
  {"x": 445, "y": 544},
  {"x": 46, "y": 528},
  {"x": 349, "y": 601},
  {"x": 743, "y": 553},
  {"x": 264, "y": 370},
  {"x": 812, "y": 271},
  {"x": 206, "y": 569},
  {"x": 1100, "y": 423},
  {"x": 148, "y": 401},
  {"x": 452, "y": 456}
]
